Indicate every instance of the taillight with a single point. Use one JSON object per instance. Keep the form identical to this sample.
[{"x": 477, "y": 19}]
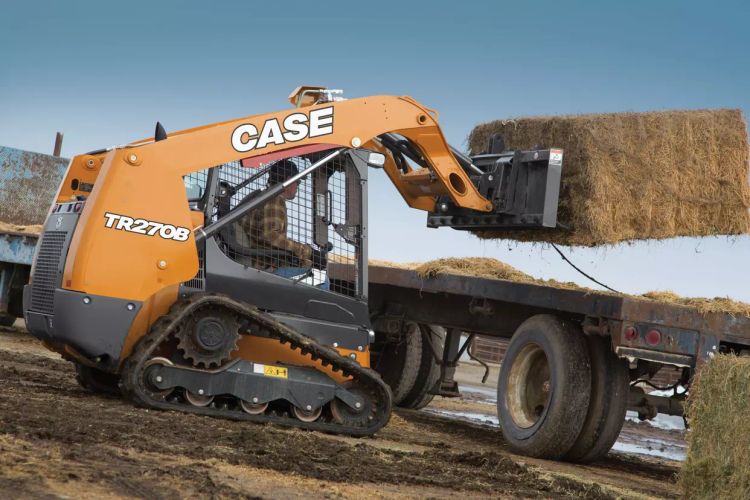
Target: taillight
[
  {"x": 653, "y": 337},
  {"x": 630, "y": 333}
]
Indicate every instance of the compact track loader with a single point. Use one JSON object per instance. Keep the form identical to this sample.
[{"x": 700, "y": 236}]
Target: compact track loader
[{"x": 149, "y": 276}]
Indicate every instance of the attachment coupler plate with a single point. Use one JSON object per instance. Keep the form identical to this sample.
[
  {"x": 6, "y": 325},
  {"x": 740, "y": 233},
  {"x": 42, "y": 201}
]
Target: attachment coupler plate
[{"x": 523, "y": 186}]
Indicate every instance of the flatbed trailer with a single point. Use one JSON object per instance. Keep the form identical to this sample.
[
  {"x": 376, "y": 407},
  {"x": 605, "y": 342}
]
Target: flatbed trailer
[
  {"x": 638, "y": 336},
  {"x": 16, "y": 254},
  {"x": 28, "y": 182}
]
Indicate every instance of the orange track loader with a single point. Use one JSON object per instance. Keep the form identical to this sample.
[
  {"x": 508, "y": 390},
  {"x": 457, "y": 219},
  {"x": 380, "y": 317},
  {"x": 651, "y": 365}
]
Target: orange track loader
[{"x": 169, "y": 271}]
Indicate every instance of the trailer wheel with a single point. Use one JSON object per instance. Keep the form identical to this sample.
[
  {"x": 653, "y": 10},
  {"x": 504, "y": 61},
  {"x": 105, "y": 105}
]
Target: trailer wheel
[
  {"x": 610, "y": 383},
  {"x": 399, "y": 362},
  {"x": 7, "y": 320},
  {"x": 429, "y": 370},
  {"x": 97, "y": 381},
  {"x": 544, "y": 387}
]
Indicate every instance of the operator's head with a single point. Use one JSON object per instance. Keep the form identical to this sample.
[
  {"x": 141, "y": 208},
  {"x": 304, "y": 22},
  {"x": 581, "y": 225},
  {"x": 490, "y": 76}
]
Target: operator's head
[{"x": 280, "y": 172}]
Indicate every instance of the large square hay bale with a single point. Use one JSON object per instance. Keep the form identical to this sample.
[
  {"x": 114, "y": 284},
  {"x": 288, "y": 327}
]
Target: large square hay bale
[
  {"x": 630, "y": 176},
  {"x": 718, "y": 461}
]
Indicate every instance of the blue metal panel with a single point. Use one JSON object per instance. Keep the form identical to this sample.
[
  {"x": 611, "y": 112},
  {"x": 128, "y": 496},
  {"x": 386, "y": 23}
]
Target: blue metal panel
[
  {"x": 17, "y": 248},
  {"x": 28, "y": 183}
]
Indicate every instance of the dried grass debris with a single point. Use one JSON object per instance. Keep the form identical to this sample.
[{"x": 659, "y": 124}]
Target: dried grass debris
[{"x": 6, "y": 227}]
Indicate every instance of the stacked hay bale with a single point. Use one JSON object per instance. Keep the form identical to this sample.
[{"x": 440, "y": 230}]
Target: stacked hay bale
[
  {"x": 718, "y": 461},
  {"x": 630, "y": 176}
]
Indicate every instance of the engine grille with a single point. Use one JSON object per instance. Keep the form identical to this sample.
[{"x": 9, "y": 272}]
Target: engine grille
[{"x": 46, "y": 277}]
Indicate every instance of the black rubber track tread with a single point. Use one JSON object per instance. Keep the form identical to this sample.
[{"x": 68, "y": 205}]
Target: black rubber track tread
[
  {"x": 133, "y": 386},
  {"x": 610, "y": 384}
]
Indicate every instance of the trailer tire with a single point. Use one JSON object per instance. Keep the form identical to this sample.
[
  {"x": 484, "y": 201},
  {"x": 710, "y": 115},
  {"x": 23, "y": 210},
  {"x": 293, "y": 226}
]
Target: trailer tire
[
  {"x": 398, "y": 362},
  {"x": 544, "y": 387},
  {"x": 7, "y": 320},
  {"x": 97, "y": 381},
  {"x": 610, "y": 384},
  {"x": 429, "y": 370}
]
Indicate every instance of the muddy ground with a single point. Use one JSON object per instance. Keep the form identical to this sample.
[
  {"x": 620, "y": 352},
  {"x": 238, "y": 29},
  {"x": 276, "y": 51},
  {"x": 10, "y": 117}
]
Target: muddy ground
[{"x": 56, "y": 440}]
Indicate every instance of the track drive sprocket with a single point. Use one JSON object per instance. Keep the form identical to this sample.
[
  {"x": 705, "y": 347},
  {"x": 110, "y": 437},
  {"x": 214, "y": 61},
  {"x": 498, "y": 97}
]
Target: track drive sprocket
[{"x": 209, "y": 337}]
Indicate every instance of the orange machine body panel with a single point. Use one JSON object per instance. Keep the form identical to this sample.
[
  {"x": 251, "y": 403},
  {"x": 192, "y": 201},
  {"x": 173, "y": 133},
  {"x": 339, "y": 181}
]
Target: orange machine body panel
[
  {"x": 271, "y": 351},
  {"x": 144, "y": 180}
]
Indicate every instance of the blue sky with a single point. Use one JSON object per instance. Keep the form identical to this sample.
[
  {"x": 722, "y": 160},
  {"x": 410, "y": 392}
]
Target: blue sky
[{"x": 104, "y": 73}]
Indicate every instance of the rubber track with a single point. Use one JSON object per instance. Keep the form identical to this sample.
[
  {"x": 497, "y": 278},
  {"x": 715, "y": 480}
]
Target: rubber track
[{"x": 134, "y": 387}]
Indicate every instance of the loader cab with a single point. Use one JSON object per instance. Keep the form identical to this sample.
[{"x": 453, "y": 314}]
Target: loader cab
[{"x": 328, "y": 212}]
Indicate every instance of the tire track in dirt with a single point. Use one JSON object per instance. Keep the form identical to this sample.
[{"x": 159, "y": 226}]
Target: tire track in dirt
[{"x": 55, "y": 438}]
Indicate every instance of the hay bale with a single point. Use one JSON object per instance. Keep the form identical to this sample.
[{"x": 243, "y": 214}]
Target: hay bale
[
  {"x": 718, "y": 406},
  {"x": 630, "y": 176}
]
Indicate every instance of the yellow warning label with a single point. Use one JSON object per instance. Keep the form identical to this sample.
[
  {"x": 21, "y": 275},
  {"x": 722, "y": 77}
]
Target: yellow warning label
[{"x": 275, "y": 371}]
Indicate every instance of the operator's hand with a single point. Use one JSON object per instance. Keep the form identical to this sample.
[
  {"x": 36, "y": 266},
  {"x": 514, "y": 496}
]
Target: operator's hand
[{"x": 319, "y": 259}]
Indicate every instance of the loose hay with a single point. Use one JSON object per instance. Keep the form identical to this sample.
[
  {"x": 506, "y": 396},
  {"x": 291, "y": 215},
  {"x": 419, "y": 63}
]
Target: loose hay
[
  {"x": 704, "y": 305},
  {"x": 6, "y": 227},
  {"x": 629, "y": 176},
  {"x": 718, "y": 460},
  {"x": 473, "y": 266},
  {"x": 485, "y": 267}
]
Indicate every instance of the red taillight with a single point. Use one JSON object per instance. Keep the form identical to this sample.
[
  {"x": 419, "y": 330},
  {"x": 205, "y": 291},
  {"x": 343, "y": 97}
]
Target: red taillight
[
  {"x": 630, "y": 333},
  {"x": 653, "y": 337}
]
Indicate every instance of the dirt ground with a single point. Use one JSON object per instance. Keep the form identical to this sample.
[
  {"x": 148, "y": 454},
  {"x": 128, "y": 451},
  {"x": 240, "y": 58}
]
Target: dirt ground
[{"x": 56, "y": 440}]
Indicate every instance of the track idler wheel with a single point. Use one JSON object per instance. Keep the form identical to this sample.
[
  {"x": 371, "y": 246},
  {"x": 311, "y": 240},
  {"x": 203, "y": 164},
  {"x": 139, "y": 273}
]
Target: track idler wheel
[
  {"x": 162, "y": 393},
  {"x": 345, "y": 414}
]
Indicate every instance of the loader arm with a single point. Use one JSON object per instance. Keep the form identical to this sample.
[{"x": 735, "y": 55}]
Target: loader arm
[
  {"x": 144, "y": 181},
  {"x": 354, "y": 123},
  {"x": 127, "y": 181}
]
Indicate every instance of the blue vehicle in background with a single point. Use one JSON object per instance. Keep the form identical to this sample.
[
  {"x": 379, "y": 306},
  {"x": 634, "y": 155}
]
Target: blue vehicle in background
[{"x": 28, "y": 183}]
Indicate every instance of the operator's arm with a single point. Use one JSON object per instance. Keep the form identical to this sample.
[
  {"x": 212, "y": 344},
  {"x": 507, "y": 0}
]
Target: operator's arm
[{"x": 273, "y": 230}]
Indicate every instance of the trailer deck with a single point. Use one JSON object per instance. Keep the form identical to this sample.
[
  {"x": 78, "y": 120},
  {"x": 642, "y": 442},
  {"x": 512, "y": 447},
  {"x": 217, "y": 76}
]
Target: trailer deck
[{"x": 497, "y": 307}]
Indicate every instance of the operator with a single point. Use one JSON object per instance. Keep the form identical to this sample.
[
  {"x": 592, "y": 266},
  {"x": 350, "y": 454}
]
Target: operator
[{"x": 266, "y": 227}]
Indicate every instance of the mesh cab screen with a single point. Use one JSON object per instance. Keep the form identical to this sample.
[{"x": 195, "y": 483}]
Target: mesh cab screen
[{"x": 288, "y": 235}]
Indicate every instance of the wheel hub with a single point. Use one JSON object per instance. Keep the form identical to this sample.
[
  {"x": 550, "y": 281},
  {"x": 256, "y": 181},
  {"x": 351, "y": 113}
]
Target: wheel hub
[
  {"x": 209, "y": 334},
  {"x": 358, "y": 416},
  {"x": 529, "y": 386}
]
